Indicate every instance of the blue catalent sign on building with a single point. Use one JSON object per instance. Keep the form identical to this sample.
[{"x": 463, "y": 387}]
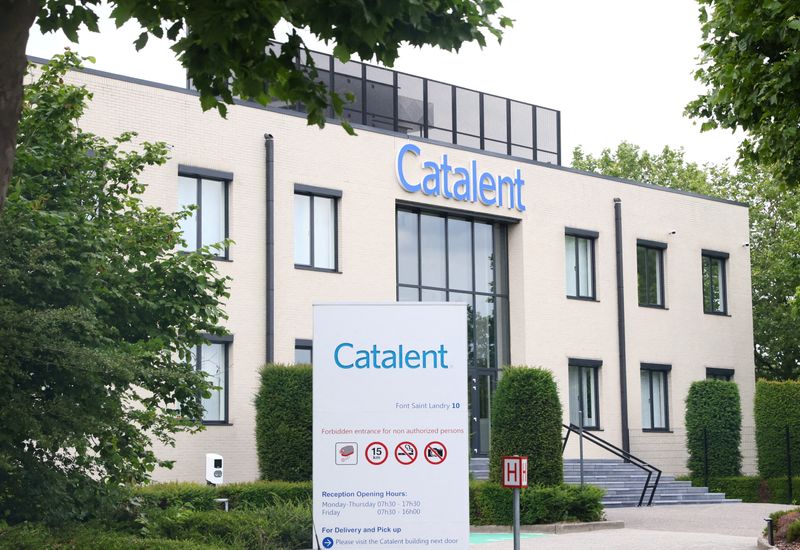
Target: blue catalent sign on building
[{"x": 460, "y": 183}]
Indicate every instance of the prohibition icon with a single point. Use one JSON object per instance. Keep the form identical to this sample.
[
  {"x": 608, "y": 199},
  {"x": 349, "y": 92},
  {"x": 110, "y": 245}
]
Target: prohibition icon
[
  {"x": 376, "y": 453},
  {"x": 405, "y": 453},
  {"x": 435, "y": 452}
]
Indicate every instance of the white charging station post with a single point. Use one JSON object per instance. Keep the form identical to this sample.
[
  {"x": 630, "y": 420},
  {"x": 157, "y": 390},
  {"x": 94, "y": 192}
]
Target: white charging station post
[{"x": 515, "y": 476}]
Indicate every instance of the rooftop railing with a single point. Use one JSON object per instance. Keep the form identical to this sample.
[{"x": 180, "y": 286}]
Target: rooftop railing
[{"x": 425, "y": 108}]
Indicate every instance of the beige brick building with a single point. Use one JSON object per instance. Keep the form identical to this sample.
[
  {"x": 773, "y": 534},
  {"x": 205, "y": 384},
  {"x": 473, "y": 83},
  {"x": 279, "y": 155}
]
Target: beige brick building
[{"x": 439, "y": 198}]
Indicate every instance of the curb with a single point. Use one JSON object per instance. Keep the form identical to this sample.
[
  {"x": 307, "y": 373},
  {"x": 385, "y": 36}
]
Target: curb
[
  {"x": 762, "y": 544},
  {"x": 553, "y": 528}
]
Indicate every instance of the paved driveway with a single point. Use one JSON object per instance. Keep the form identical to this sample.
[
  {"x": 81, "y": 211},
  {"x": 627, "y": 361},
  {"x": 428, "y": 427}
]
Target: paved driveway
[{"x": 690, "y": 527}]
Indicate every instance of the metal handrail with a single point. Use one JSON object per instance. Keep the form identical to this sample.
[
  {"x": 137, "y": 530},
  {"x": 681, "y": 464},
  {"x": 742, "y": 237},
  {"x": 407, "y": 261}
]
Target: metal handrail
[{"x": 625, "y": 455}]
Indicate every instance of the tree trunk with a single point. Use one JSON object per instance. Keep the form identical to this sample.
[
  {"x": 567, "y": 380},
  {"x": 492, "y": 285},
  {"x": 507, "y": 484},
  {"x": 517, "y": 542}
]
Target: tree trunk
[{"x": 15, "y": 22}]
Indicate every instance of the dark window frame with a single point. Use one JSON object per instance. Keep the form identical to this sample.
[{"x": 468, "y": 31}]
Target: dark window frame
[
  {"x": 595, "y": 365},
  {"x": 304, "y": 344},
  {"x": 722, "y": 258},
  {"x": 226, "y": 341},
  {"x": 726, "y": 375},
  {"x": 592, "y": 237},
  {"x": 198, "y": 174},
  {"x": 650, "y": 368},
  {"x": 322, "y": 192},
  {"x": 659, "y": 247}
]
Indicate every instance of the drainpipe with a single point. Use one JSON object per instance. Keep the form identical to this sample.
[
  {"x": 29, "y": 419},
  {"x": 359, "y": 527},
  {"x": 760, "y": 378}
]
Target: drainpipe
[
  {"x": 270, "y": 295},
  {"x": 623, "y": 370}
]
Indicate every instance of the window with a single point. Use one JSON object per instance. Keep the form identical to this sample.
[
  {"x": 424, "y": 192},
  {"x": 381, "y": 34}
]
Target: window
[
  {"x": 207, "y": 190},
  {"x": 584, "y": 403},
  {"x": 655, "y": 397},
  {"x": 579, "y": 263},
  {"x": 302, "y": 352},
  {"x": 714, "y": 289},
  {"x": 650, "y": 267},
  {"x": 315, "y": 226},
  {"x": 726, "y": 375},
  {"x": 212, "y": 359}
]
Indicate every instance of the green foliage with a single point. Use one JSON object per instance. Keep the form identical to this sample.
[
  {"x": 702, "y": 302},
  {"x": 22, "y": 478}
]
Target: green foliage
[
  {"x": 283, "y": 423},
  {"x": 258, "y": 494},
  {"x": 491, "y": 504},
  {"x": 98, "y": 313},
  {"x": 749, "y": 64},
  {"x": 30, "y": 536},
  {"x": 751, "y": 488},
  {"x": 526, "y": 420},
  {"x": 777, "y": 406},
  {"x": 774, "y": 237},
  {"x": 793, "y": 532},
  {"x": 226, "y": 48},
  {"x": 713, "y": 410},
  {"x": 285, "y": 525}
]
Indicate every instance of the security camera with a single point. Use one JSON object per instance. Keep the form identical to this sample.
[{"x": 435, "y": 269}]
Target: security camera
[
  {"x": 673, "y": 232},
  {"x": 746, "y": 245}
]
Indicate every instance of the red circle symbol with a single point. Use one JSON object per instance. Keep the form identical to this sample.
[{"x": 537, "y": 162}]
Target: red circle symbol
[
  {"x": 405, "y": 453},
  {"x": 376, "y": 453},
  {"x": 435, "y": 452}
]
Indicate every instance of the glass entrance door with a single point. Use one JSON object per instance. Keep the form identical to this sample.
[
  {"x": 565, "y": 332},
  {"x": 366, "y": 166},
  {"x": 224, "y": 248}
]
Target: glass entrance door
[{"x": 456, "y": 259}]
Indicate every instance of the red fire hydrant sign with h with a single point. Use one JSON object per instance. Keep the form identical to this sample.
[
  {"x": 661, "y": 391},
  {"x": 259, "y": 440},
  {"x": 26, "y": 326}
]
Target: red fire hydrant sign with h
[{"x": 515, "y": 472}]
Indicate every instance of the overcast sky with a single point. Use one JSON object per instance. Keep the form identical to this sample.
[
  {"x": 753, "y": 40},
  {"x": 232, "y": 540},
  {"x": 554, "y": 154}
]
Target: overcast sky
[{"x": 617, "y": 70}]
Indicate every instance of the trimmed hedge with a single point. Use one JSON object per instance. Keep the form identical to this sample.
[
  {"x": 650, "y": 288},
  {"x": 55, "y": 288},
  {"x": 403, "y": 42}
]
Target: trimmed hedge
[
  {"x": 283, "y": 423},
  {"x": 491, "y": 504},
  {"x": 713, "y": 408},
  {"x": 752, "y": 488},
  {"x": 526, "y": 420},
  {"x": 281, "y": 526},
  {"x": 777, "y": 405},
  {"x": 258, "y": 494},
  {"x": 35, "y": 536}
]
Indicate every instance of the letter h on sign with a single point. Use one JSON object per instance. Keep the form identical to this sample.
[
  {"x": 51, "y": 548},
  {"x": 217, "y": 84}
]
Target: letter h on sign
[{"x": 515, "y": 472}]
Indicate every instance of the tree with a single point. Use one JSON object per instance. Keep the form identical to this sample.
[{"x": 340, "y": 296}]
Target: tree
[
  {"x": 749, "y": 63},
  {"x": 774, "y": 237},
  {"x": 99, "y": 313},
  {"x": 226, "y": 49}
]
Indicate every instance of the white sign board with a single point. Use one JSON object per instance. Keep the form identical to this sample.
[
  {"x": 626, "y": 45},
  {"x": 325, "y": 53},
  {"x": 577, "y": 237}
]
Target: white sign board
[
  {"x": 391, "y": 454},
  {"x": 515, "y": 472}
]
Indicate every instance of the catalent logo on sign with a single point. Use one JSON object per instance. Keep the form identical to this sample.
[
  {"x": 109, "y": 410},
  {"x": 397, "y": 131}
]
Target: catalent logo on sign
[{"x": 460, "y": 183}]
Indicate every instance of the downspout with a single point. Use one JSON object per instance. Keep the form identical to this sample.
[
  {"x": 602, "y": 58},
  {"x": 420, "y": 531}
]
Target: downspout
[
  {"x": 623, "y": 370},
  {"x": 270, "y": 305}
]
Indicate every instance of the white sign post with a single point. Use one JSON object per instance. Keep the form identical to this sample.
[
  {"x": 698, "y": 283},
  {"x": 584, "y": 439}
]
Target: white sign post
[
  {"x": 515, "y": 476},
  {"x": 391, "y": 453}
]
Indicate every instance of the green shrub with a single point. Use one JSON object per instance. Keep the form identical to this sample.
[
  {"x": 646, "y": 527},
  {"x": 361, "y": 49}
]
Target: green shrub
[
  {"x": 752, "y": 488},
  {"x": 713, "y": 409},
  {"x": 777, "y": 405},
  {"x": 491, "y": 504},
  {"x": 526, "y": 420},
  {"x": 793, "y": 532},
  {"x": 283, "y": 423},
  {"x": 34, "y": 536},
  {"x": 167, "y": 495},
  {"x": 257, "y": 494},
  {"x": 283, "y": 525}
]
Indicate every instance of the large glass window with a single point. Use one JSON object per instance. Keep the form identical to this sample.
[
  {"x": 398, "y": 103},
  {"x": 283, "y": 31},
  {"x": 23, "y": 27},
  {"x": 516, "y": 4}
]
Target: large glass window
[
  {"x": 579, "y": 263},
  {"x": 212, "y": 359},
  {"x": 583, "y": 393},
  {"x": 315, "y": 226},
  {"x": 655, "y": 397},
  {"x": 650, "y": 269},
  {"x": 454, "y": 259},
  {"x": 714, "y": 282},
  {"x": 303, "y": 352},
  {"x": 208, "y": 223}
]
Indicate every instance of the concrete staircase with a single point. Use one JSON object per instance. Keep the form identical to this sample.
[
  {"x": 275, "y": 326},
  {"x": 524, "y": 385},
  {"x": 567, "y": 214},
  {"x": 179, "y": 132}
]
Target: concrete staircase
[{"x": 623, "y": 483}]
